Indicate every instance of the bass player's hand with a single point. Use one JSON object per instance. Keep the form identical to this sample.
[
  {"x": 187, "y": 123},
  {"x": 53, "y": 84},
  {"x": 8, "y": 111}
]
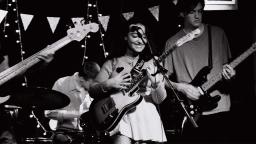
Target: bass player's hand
[
  {"x": 189, "y": 90},
  {"x": 228, "y": 72}
]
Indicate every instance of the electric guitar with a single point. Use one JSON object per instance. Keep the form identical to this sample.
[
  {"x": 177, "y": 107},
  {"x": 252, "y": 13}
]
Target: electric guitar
[
  {"x": 77, "y": 33},
  {"x": 207, "y": 102},
  {"x": 107, "y": 112}
]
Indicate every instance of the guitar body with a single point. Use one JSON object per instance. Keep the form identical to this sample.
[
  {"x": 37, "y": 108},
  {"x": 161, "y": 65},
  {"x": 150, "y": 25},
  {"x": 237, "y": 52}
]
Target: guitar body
[
  {"x": 205, "y": 102},
  {"x": 106, "y": 113}
]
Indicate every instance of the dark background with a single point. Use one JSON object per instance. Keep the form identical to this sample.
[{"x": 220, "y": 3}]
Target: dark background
[{"x": 239, "y": 26}]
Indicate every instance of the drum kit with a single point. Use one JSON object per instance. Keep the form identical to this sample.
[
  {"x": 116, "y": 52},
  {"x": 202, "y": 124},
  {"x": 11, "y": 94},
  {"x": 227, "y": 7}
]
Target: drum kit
[{"x": 33, "y": 100}]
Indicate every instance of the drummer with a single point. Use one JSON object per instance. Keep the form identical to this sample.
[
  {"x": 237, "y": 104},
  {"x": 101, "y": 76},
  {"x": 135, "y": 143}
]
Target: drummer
[{"x": 76, "y": 87}]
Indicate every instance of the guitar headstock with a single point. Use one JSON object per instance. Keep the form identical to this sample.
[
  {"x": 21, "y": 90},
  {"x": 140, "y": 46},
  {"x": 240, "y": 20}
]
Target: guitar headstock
[
  {"x": 81, "y": 30},
  {"x": 188, "y": 37}
]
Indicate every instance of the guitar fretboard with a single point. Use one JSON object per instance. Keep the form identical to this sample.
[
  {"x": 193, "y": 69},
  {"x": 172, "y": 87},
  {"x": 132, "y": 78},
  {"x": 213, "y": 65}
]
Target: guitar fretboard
[
  {"x": 216, "y": 78},
  {"x": 166, "y": 53},
  {"x": 179, "y": 42}
]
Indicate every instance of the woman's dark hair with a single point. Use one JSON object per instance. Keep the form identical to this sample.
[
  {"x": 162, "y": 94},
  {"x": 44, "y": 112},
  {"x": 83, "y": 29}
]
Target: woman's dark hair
[
  {"x": 186, "y": 6},
  {"x": 122, "y": 44},
  {"x": 146, "y": 53},
  {"x": 89, "y": 70}
]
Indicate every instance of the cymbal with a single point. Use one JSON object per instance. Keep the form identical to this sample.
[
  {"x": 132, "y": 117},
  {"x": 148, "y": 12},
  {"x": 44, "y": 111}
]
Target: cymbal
[{"x": 38, "y": 97}]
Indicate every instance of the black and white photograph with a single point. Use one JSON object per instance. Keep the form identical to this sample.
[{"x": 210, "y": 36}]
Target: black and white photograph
[{"x": 127, "y": 72}]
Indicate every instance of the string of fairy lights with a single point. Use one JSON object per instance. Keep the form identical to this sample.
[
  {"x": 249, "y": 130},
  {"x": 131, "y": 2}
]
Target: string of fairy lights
[
  {"x": 101, "y": 33},
  {"x": 92, "y": 7},
  {"x": 13, "y": 9},
  {"x": 9, "y": 26}
]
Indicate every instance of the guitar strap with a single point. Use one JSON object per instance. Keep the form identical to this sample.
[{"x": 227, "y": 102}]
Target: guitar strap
[
  {"x": 136, "y": 70},
  {"x": 210, "y": 46}
]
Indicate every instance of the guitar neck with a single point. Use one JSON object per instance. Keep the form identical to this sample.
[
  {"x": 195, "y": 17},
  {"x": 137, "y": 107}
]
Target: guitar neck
[
  {"x": 22, "y": 66},
  {"x": 142, "y": 76},
  {"x": 216, "y": 78},
  {"x": 188, "y": 37},
  {"x": 166, "y": 53},
  {"x": 136, "y": 81}
]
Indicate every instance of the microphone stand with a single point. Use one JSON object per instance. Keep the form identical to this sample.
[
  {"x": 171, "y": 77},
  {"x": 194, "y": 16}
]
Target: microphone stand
[{"x": 162, "y": 70}]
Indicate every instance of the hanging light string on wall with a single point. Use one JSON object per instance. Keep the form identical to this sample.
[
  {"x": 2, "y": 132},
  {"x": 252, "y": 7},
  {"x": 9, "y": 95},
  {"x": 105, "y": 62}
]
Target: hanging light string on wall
[
  {"x": 19, "y": 41},
  {"x": 100, "y": 31},
  {"x": 12, "y": 5},
  {"x": 92, "y": 4},
  {"x": 87, "y": 36}
]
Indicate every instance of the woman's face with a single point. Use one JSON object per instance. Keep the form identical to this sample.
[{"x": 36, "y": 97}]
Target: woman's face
[{"x": 135, "y": 42}]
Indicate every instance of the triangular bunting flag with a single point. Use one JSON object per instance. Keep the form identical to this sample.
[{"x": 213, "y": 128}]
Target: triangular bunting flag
[
  {"x": 175, "y": 2},
  {"x": 53, "y": 21},
  {"x": 104, "y": 21},
  {"x": 128, "y": 15},
  {"x": 2, "y": 14},
  {"x": 155, "y": 11},
  {"x": 26, "y": 19}
]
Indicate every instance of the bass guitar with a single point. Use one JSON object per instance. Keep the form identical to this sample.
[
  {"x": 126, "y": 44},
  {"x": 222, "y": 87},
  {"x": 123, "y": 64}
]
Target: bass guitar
[
  {"x": 107, "y": 112},
  {"x": 77, "y": 33},
  {"x": 207, "y": 102}
]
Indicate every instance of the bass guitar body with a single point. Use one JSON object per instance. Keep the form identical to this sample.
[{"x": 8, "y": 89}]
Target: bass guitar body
[{"x": 205, "y": 102}]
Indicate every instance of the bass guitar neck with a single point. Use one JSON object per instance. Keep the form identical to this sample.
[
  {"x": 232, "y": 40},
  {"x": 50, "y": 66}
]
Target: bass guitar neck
[{"x": 21, "y": 67}]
